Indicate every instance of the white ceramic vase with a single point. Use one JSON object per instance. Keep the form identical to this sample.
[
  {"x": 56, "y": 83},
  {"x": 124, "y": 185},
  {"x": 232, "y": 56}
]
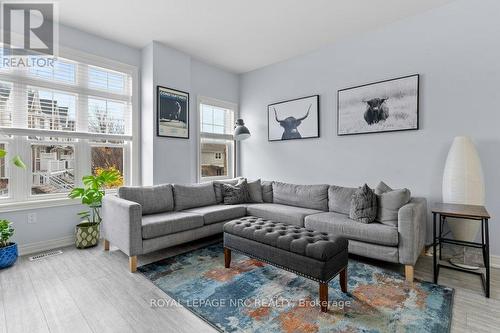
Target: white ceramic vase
[{"x": 463, "y": 183}]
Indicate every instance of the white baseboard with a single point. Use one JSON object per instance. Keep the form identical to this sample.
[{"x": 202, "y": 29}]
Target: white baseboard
[
  {"x": 45, "y": 245},
  {"x": 495, "y": 261}
]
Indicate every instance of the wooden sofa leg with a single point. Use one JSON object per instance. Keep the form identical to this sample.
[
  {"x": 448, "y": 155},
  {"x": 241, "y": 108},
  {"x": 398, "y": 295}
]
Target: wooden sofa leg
[
  {"x": 132, "y": 264},
  {"x": 343, "y": 280},
  {"x": 409, "y": 273},
  {"x": 323, "y": 296},
  {"x": 106, "y": 245},
  {"x": 227, "y": 258}
]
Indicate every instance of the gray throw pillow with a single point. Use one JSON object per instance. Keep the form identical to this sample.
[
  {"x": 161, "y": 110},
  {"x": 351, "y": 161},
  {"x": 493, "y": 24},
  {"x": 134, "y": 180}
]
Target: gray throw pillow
[
  {"x": 363, "y": 205},
  {"x": 255, "y": 191},
  {"x": 235, "y": 194},
  {"x": 218, "y": 187},
  {"x": 196, "y": 195},
  {"x": 153, "y": 199},
  {"x": 267, "y": 191},
  {"x": 389, "y": 202}
]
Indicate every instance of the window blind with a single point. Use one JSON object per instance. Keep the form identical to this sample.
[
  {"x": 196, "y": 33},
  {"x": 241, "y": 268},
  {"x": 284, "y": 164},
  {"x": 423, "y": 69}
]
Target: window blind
[{"x": 68, "y": 97}]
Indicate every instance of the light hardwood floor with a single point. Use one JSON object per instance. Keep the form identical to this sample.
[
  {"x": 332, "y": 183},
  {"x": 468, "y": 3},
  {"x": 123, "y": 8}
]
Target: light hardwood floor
[{"x": 92, "y": 291}]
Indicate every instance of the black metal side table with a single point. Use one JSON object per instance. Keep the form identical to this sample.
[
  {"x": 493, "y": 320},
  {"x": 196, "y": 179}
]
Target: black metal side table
[{"x": 469, "y": 212}]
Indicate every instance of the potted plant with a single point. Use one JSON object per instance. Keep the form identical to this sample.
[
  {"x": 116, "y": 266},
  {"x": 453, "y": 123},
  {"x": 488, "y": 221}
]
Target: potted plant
[
  {"x": 8, "y": 250},
  {"x": 91, "y": 194}
]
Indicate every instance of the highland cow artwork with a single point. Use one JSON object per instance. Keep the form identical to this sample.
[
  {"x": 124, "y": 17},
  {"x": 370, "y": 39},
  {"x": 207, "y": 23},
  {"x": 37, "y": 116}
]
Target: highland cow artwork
[
  {"x": 294, "y": 119},
  {"x": 384, "y": 106}
]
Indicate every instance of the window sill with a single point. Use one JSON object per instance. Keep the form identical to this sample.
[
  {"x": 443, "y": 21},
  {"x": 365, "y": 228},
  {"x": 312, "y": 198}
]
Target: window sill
[{"x": 13, "y": 206}]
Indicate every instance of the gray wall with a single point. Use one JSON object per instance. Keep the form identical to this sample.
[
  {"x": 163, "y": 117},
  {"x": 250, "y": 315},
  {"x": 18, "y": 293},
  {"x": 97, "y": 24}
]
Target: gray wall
[
  {"x": 173, "y": 160},
  {"x": 456, "y": 50}
]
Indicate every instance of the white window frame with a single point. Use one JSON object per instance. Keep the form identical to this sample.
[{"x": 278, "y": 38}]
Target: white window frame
[
  {"x": 229, "y": 137},
  {"x": 20, "y": 197}
]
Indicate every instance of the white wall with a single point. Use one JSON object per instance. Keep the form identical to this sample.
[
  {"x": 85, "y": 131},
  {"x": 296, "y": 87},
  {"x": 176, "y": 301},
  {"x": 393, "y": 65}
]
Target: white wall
[
  {"x": 456, "y": 50},
  {"x": 174, "y": 160}
]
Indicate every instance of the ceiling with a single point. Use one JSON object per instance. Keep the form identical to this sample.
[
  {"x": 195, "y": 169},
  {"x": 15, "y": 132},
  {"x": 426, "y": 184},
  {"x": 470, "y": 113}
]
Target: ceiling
[{"x": 237, "y": 35}]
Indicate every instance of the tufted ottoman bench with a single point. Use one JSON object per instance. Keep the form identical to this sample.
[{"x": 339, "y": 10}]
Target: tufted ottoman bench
[{"x": 316, "y": 255}]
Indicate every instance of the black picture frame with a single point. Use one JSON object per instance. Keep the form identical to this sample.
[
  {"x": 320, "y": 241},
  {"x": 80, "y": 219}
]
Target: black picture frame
[
  {"x": 162, "y": 110},
  {"x": 316, "y": 102},
  {"x": 417, "y": 127}
]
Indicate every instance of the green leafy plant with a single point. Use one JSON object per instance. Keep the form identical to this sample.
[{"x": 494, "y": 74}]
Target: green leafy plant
[
  {"x": 92, "y": 193},
  {"x": 6, "y": 232},
  {"x": 16, "y": 160}
]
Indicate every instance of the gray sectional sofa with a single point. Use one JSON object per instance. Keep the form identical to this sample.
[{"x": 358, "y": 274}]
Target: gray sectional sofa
[{"x": 141, "y": 220}]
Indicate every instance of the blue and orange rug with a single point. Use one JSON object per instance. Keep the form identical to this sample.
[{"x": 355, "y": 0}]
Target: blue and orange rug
[{"x": 255, "y": 297}]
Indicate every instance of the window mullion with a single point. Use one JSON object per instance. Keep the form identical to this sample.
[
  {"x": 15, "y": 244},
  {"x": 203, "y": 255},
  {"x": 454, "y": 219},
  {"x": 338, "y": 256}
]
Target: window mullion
[{"x": 82, "y": 120}]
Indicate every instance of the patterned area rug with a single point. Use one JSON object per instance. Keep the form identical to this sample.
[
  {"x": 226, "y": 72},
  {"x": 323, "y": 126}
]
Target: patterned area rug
[{"x": 255, "y": 297}]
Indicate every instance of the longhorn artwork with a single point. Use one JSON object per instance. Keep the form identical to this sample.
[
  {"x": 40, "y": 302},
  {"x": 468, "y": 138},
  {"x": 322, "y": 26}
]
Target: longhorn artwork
[
  {"x": 384, "y": 106},
  {"x": 294, "y": 119}
]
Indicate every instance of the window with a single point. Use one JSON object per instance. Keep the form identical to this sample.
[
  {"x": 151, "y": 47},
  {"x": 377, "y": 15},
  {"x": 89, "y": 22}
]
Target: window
[
  {"x": 70, "y": 120},
  {"x": 216, "y": 153}
]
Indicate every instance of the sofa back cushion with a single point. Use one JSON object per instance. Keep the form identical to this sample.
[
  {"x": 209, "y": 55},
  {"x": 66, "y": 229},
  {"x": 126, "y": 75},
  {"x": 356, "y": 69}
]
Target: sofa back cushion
[
  {"x": 306, "y": 196},
  {"x": 389, "y": 202},
  {"x": 153, "y": 199},
  {"x": 196, "y": 195},
  {"x": 267, "y": 191},
  {"x": 339, "y": 199},
  {"x": 218, "y": 187}
]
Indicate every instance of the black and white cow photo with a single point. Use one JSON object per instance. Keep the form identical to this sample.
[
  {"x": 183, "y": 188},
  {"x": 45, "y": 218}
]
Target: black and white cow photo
[
  {"x": 383, "y": 106},
  {"x": 172, "y": 113},
  {"x": 294, "y": 119}
]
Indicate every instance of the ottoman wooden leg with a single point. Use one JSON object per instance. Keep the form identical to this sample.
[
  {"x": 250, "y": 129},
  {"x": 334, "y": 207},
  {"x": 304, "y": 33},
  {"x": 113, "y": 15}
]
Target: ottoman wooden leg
[
  {"x": 323, "y": 296},
  {"x": 227, "y": 257},
  {"x": 343, "y": 280}
]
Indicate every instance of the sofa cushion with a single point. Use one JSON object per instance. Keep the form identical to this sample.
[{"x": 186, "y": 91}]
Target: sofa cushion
[
  {"x": 306, "y": 196},
  {"x": 341, "y": 225},
  {"x": 219, "y": 213},
  {"x": 197, "y": 195},
  {"x": 235, "y": 194},
  {"x": 363, "y": 205},
  {"x": 218, "y": 187},
  {"x": 153, "y": 199},
  {"x": 255, "y": 191},
  {"x": 339, "y": 199},
  {"x": 156, "y": 225},
  {"x": 267, "y": 191},
  {"x": 281, "y": 213},
  {"x": 389, "y": 202}
]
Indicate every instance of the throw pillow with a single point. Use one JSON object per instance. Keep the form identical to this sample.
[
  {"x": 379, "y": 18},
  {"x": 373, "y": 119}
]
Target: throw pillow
[
  {"x": 218, "y": 187},
  {"x": 363, "y": 205},
  {"x": 235, "y": 194},
  {"x": 267, "y": 191},
  {"x": 255, "y": 191},
  {"x": 389, "y": 202}
]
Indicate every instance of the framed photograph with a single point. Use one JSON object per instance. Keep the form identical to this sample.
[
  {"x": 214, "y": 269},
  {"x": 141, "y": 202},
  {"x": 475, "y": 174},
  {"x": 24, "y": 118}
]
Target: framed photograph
[
  {"x": 384, "y": 106},
  {"x": 293, "y": 119},
  {"x": 172, "y": 119}
]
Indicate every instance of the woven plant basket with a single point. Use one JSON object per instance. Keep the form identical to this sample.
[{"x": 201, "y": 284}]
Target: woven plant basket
[{"x": 87, "y": 235}]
